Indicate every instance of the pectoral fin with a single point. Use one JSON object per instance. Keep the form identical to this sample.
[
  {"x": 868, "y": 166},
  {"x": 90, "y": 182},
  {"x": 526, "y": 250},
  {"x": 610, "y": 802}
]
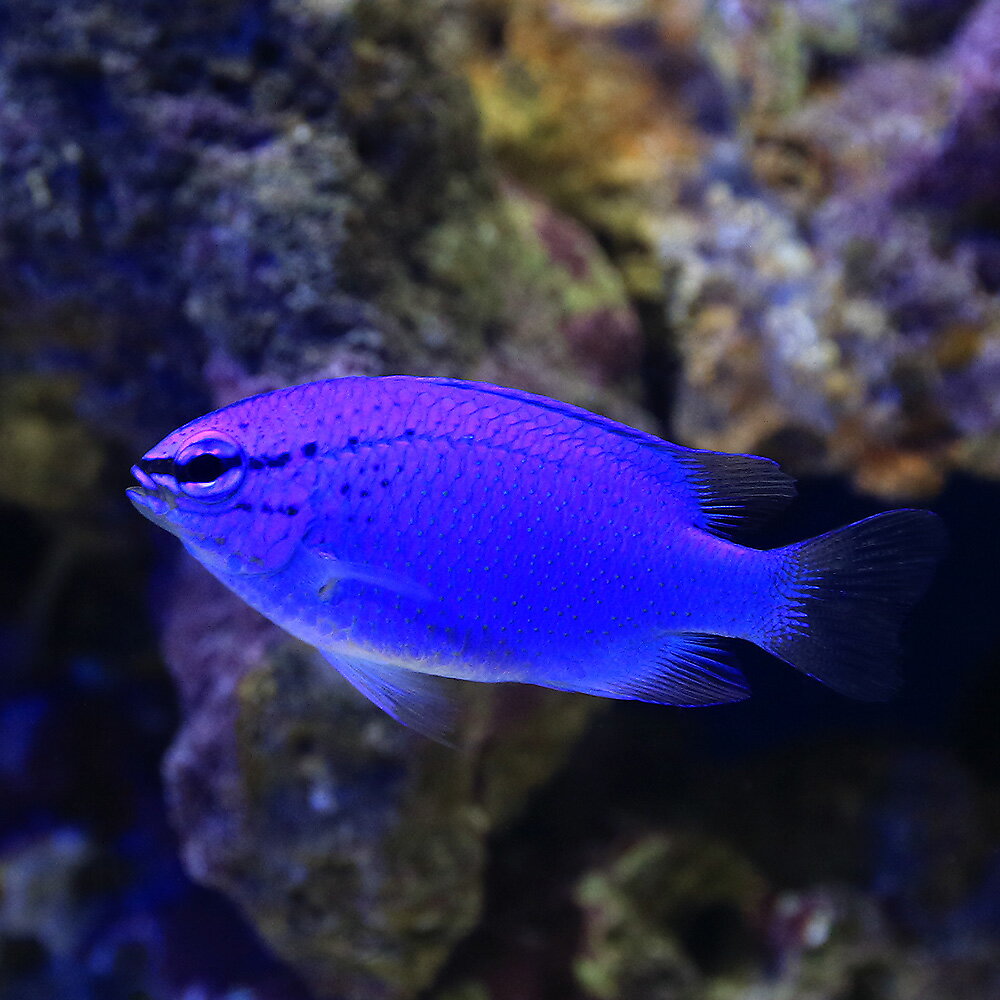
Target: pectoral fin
[
  {"x": 329, "y": 571},
  {"x": 421, "y": 701}
]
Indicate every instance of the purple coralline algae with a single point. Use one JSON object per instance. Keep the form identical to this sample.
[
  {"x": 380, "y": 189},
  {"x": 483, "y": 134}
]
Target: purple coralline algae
[
  {"x": 826, "y": 307},
  {"x": 202, "y": 200}
]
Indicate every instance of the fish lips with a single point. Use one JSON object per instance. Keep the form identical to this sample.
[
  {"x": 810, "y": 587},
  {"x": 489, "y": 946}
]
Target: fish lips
[{"x": 151, "y": 499}]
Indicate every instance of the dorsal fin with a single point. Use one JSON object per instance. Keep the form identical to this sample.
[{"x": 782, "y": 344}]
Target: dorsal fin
[
  {"x": 731, "y": 492},
  {"x": 719, "y": 492}
]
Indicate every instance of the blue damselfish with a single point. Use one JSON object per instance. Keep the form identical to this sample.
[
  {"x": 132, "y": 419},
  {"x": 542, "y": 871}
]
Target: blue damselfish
[{"x": 414, "y": 529}]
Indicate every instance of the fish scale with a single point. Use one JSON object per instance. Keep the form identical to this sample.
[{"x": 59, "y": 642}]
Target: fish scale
[
  {"x": 419, "y": 529},
  {"x": 532, "y": 567}
]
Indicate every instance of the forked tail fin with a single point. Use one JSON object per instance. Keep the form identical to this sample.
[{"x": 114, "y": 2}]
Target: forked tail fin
[{"x": 847, "y": 593}]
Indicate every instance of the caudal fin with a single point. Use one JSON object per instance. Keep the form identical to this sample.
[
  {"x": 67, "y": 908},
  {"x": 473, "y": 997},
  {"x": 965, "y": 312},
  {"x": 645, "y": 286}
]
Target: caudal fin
[{"x": 847, "y": 593}]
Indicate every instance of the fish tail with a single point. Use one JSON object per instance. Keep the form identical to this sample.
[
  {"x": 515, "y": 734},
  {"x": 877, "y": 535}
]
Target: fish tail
[{"x": 846, "y": 594}]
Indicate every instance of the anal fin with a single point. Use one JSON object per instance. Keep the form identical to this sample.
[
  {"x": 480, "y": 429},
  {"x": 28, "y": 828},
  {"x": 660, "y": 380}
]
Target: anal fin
[
  {"x": 420, "y": 701},
  {"x": 686, "y": 669}
]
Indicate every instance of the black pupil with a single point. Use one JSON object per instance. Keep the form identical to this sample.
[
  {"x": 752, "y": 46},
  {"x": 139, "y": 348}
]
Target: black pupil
[{"x": 204, "y": 468}]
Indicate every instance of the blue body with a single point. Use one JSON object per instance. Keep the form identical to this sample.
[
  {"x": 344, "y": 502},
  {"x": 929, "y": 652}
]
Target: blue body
[
  {"x": 464, "y": 530},
  {"x": 531, "y": 555}
]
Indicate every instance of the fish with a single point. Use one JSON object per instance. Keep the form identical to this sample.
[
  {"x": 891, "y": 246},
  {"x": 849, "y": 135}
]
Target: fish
[{"x": 417, "y": 531}]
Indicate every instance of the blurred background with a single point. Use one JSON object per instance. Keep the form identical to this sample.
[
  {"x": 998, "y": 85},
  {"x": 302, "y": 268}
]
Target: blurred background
[{"x": 747, "y": 225}]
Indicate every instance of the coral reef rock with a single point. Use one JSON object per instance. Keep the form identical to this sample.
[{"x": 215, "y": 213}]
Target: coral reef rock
[
  {"x": 830, "y": 305},
  {"x": 290, "y": 187},
  {"x": 200, "y": 200},
  {"x": 356, "y": 846}
]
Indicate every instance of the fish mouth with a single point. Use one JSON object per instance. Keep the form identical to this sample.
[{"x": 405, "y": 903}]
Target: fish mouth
[{"x": 149, "y": 498}]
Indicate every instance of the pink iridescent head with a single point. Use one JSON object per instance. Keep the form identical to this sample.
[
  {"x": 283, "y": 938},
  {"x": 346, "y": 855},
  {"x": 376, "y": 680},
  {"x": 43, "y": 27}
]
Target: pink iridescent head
[{"x": 236, "y": 485}]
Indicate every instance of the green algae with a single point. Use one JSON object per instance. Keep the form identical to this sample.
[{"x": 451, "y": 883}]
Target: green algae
[
  {"x": 51, "y": 461},
  {"x": 641, "y": 910},
  {"x": 359, "y": 847}
]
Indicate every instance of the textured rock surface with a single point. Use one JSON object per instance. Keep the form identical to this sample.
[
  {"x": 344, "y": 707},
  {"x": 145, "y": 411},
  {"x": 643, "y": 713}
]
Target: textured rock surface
[
  {"x": 828, "y": 288},
  {"x": 772, "y": 224},
  {"x": 357, "y": 846},
  {"x": 264, "y": 181},
  {"x": 866, "y": 328},
  {"x": 203, "y": 200},
  {"x": 644, "y": 913},
  {"x": 681, "y": 914}
]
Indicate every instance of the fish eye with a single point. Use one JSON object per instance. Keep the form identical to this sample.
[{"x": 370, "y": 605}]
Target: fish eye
[{"x": 209, "y": 467}]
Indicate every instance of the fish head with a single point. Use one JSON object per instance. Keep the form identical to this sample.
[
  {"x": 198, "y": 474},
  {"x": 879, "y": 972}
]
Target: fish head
[{"x": 234, "y": 486}]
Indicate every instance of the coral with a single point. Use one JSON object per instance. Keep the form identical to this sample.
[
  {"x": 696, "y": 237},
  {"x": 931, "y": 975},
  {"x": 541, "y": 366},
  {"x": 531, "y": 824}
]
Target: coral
[
  {"x": 955, "y": 176},
  {"x": 773, "y": 55},
  {"x": 572, "y": 117},
  {"x": 789, "y": 352},
  {"x": 773, "y": 223},
  {"x": 685, "y": 913},
  {"x": 202, "y": 200},
  {"x": 261, "y": 183},
  {"x": 578, "y": 338},
  {"x": 313, "y": 203},
  {"x": 837, "y": 321},
  {"x": 645, "y": 912},
  {"x": 823, "y": 309}
]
